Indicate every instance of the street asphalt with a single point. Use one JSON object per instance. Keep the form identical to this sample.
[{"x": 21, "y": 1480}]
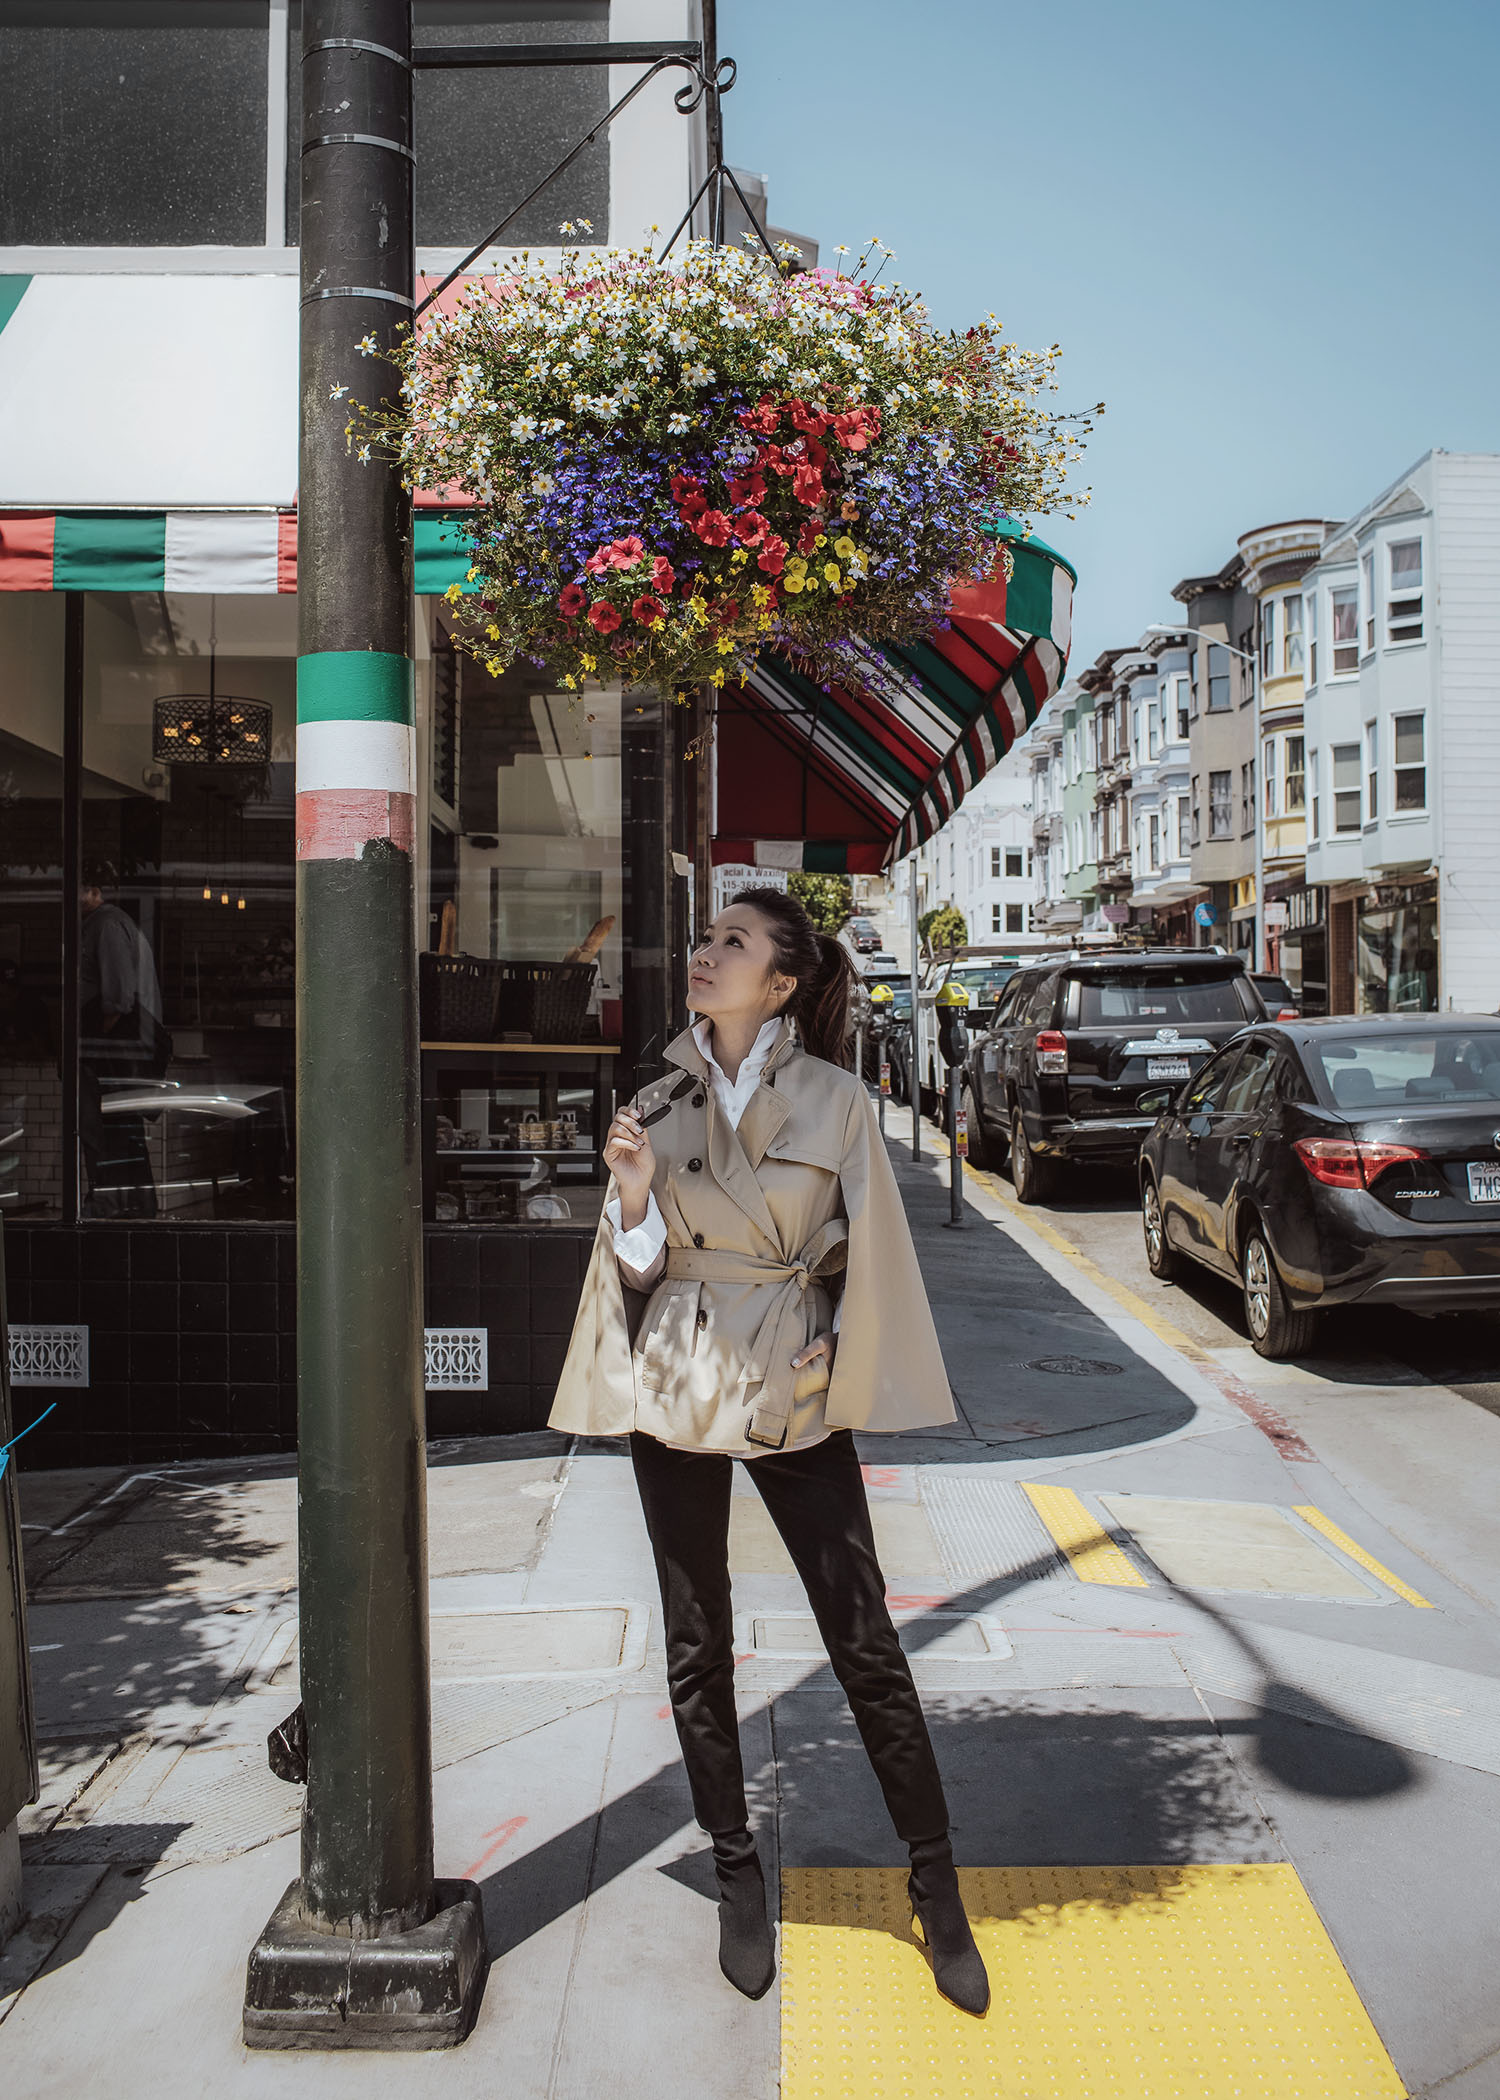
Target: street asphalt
[{"x": 1211, "y": 1654}]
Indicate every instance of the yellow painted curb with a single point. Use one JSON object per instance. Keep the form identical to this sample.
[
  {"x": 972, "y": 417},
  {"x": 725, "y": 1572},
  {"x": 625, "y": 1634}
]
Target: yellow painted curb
[
  {"x": 1109, "y": 1983},
  {"x": 1092, "y": 1553},
  {"x": 1345, "y": 1544}
]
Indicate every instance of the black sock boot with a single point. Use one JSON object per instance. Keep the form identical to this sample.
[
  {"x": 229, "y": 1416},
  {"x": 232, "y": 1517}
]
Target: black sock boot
[
  {"x": 938, "y": 1910},
  {"x": 747, "y": 1944}
]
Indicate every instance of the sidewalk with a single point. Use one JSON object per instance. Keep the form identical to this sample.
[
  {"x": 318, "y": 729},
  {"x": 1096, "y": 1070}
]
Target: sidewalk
[{"x": 1176, "y": 1663}]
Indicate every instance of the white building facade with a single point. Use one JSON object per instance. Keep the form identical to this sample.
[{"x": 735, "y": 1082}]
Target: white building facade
[
  {"x": 982, "y": 859},
  {"x": 1402, "y": 619}
]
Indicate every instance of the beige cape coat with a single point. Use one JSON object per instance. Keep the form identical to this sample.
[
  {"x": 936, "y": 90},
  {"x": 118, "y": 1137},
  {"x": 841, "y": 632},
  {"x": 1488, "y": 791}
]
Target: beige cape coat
[{"x": 763, "y": 1223}]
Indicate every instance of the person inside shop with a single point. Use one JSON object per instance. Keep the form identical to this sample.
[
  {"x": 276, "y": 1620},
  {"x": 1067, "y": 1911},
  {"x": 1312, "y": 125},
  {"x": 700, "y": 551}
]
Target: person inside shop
[
  {"x": 754, "y": 1296},
  {"x": 121, "y": 1040}
]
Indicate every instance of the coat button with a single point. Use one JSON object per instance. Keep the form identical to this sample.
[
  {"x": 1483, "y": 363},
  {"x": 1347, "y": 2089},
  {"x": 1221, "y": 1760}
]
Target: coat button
[
  {"x": 697, "y": 1239},
  {"x": 702, "y": 1319},
  {"x": 695, "y": 1166},
  {"x": 697, "y": 1100}
]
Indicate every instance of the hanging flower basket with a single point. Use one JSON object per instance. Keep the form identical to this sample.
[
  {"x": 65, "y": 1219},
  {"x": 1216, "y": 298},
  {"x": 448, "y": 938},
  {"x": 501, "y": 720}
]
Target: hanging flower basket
[{"x": 676, "y": 464}]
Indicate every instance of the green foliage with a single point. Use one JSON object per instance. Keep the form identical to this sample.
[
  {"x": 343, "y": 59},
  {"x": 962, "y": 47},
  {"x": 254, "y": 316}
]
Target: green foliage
[
  {"x": 943, "y": 928},
  {"x": 827, "y": 899}
]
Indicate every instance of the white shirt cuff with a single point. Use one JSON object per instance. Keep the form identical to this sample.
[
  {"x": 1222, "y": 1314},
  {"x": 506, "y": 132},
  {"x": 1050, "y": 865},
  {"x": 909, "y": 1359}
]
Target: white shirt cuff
[{"x": 640, "y": 1250}]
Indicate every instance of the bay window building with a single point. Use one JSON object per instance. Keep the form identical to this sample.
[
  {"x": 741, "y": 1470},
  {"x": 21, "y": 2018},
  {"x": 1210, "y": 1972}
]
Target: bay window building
[{"x": 1402, "y": 621}]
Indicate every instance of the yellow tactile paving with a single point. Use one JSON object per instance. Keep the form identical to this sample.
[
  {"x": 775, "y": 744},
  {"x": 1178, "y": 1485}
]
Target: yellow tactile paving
[
  {"x": 1109, "y": 1983},
  {"x": 1345, "y": 1544},
  {"x": 1092, "y": 1553}
]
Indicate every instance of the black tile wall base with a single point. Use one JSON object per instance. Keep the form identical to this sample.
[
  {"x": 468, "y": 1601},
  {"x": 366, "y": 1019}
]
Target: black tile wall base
[{"x": 192, "y": 1334}]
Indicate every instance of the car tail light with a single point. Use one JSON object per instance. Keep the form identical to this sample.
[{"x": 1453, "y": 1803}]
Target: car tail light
[
  {"x": 1350, "y": 1163},
  {"x": 1289, "y": 1013},
  {"x": 1051, "y": 1050}
]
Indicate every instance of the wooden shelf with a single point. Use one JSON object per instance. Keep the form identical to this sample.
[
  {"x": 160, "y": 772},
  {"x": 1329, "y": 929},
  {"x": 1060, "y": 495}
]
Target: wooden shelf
[{"x": 535, "y": 1049}]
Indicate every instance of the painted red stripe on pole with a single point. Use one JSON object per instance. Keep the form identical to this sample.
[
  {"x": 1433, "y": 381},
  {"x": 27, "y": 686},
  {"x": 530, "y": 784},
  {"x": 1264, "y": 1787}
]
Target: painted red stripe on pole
[
  {"x": 338, "y": 823},
  {"x": 26, "y": 543},
  {"x": 286, "y": 551}
]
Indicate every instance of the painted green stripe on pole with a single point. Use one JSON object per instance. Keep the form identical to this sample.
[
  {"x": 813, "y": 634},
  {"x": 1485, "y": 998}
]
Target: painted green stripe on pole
[
  {"x": 98, "y": 552},
  {"x": 442, "y": 555},
  {"x": 12, "y": 292},
  {"x": 355, "y": 685}
]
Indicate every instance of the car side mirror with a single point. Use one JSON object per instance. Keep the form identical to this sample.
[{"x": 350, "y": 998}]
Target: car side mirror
[{"x": 1157, "y": 1101}]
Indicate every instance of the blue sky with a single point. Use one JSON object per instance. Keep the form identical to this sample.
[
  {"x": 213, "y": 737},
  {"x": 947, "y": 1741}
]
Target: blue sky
[{"x": 1266, "y": 239}]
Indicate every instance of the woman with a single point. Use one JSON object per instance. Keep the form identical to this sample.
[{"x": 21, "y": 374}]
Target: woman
[{"x": 753, "y": 1200}]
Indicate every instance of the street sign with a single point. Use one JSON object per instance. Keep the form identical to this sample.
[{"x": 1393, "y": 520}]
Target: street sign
[
  {"x": 1276, "y": 912},
  {"x": 1204, "y": 914},
  {"x": 1115, "y": 914}
]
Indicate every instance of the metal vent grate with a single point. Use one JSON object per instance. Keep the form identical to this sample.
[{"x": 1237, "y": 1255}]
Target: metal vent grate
[
  {"x": 49, "y": 1355},
  {"x": 458, "y": 1359}
]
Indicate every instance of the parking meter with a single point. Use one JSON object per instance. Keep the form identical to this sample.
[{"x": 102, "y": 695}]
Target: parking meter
[
  {"x": 882, "y": 1013},
  {"x": 952, "y": 1005}
]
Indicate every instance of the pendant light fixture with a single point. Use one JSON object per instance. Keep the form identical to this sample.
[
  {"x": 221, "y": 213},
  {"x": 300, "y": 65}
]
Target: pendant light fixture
[{"x": 212, "y": 728}]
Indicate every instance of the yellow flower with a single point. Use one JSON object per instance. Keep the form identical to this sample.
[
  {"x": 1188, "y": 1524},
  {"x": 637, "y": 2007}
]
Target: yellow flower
[
  {"x": 793, "y": 584},
  {"x": 738, "y": 559},
  {"x": 471, "y": 575},
  {"x": 589, "y": 662},
  {"x": 831, "y": 575},
  {"x": 843, "y": 546},
  {"x": 724, "y": 645},
  {"x": 716, "y": 677},
  {"x": 570, "y": 681},
  {"x": 821, "y": 540},
  {"x": 493, "y": 632},
  {"x": 453, "y": 593},
  {"x": 759, "y": 595},
  {"x": 796, "y": 566}
]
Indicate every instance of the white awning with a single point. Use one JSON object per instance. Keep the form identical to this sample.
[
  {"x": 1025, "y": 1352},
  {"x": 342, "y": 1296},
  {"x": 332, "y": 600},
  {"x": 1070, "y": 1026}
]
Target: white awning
[{"x": 134, "y": 392}]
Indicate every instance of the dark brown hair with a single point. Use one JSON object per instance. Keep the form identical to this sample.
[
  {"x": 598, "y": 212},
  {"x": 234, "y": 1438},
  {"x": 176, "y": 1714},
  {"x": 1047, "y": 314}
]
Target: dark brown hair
[{"x": 822, "y": 968}]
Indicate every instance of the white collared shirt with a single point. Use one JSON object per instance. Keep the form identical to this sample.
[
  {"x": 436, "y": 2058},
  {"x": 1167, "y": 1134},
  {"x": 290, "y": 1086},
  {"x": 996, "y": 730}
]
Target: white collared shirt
[{"x": 642, "y": 1250}]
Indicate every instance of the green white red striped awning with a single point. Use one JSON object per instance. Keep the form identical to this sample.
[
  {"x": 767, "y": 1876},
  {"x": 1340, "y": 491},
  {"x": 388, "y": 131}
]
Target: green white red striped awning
[
  {"x": 248, "y": 552},
  {"x": 838, "y": 779},
  {"x": 826, "y": 779}
]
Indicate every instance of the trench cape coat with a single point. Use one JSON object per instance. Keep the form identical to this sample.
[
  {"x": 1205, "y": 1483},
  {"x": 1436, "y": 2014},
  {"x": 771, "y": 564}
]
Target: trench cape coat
[{"x": 764, "y": 1225}]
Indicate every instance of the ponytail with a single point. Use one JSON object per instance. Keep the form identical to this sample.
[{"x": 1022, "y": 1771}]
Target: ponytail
[{"x": 825, "y": 976}]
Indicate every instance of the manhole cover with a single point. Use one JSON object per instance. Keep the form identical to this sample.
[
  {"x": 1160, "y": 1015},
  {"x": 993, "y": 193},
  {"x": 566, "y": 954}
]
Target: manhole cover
[{"x": 1075, "y": 1367}]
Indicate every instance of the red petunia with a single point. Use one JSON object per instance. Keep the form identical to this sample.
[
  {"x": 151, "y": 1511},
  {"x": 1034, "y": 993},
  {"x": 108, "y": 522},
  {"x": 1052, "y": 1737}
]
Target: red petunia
[
  {"x": 712, "y": 528},
  {"x": 807, "y": 485},
  {"x": 694, "y": 506},
  {"x": 749, "y": 489},
  {"x": 763, "y": 417},
  {"x": 773, "y": 555},
  {"x": 603, "y": 617},
  {"x": 624, "y": 554},
  {"x": 685, "y": 485},
  {"x": 750, "y": 528},
  {"x": 647, "y": 609},
  {"x": 775, "y": 460},
  {"x": 812, "y": 420},
  {"x": 571, "y": 601},
  {"x": 598, "y": 561},
  {"x": 855, "y": 428},
  {"x": 663, "y": 575},
  {"x": 807, "y": 538}
]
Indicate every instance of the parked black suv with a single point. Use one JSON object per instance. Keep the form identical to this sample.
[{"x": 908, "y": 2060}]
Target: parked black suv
[{"x": 1077, "y": 1039}]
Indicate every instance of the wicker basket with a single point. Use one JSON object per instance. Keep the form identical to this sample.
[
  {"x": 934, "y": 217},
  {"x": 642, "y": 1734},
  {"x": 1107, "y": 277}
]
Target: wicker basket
[
  {"x": 459, "y": 994},
  {"x": 547, "y": 1001}
]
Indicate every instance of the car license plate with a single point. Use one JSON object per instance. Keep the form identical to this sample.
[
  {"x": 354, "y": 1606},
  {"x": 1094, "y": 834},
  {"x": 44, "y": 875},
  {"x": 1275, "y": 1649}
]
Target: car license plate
[
  {"x": 1484, "y": 1181},
  {"x": 1168, "y": 1068}
]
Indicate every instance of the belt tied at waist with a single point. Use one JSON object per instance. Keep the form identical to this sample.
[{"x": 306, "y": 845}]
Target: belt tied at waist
[{"x": 779, "y": 1334}]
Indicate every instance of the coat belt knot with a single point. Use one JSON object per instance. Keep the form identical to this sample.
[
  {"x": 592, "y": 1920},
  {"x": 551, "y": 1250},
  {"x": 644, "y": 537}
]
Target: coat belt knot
[{"x": 779, "y": 1334}]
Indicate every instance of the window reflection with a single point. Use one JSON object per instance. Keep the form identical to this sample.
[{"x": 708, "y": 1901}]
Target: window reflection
[{"x": 186, "y": 923}]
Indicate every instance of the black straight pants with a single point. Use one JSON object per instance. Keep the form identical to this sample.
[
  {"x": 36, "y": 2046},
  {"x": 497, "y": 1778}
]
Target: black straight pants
[{"x": 817, "y": 1502}]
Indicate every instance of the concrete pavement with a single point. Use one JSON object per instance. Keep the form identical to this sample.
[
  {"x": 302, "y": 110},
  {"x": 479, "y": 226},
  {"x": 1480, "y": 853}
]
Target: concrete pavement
[{"x": 1165, "y": 1662}]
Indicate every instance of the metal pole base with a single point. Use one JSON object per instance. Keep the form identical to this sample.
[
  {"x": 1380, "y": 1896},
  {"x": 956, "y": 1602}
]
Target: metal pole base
[{"x": 410, "y": 1990}]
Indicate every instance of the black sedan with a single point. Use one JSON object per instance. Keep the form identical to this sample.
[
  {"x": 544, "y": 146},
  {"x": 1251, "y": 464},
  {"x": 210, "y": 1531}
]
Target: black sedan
[{"x": 1331, "y": 1163}]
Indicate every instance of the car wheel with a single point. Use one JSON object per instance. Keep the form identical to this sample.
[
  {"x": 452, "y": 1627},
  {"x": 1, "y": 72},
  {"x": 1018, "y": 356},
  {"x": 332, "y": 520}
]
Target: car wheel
[
  {"x": 1162, "y": 1258},
  {"x": 1034, "y": 1179},
  {"x": 1276, "y": 1329},
  {"x": 981, "y": 1146}
]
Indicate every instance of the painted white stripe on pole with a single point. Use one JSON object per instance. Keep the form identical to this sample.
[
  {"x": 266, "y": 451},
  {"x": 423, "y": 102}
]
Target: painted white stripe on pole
[
  {"x": 233, "y": 552},
  {"x": 356, "y": 755},
  {"x": 1062, "y": 608}
]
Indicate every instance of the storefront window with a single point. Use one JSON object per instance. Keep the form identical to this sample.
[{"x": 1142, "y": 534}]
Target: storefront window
[
  {"x": 185, "y": 992},
  {"x": 1397, "y": 954},
  {"x": 31, "y": 944},
  {"x": 522, "y": 991}
]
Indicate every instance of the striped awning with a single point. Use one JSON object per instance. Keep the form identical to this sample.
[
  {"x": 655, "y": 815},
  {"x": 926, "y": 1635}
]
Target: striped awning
[
  {"x": 824, "y": 773},
  {"x": 841, "y": 779},
  {"x": 235, "y": 553}
]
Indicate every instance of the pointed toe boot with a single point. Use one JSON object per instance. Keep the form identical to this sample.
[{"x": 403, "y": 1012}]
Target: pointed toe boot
[
  {"x": 939, "y": 1919},
  {"x": 747, "y": 1943}
]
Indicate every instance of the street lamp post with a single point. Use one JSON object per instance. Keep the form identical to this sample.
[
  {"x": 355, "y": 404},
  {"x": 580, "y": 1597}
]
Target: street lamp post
[
  {"x": 1245, "y": 656},
  {"x": 366, "y": 1949}
]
